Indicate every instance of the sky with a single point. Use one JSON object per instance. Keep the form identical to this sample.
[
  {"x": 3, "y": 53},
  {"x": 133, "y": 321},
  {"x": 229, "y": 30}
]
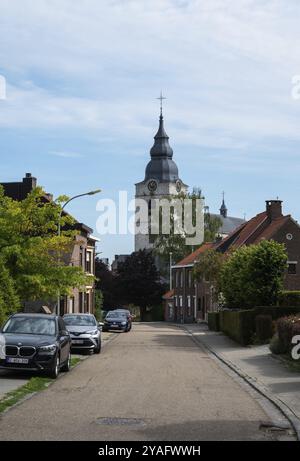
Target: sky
[{"x": 82, "y": 78}]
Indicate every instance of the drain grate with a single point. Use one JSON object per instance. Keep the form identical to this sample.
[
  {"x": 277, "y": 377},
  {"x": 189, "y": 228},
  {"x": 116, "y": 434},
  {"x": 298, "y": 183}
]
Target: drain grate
[{"x": 134, "y": 422}]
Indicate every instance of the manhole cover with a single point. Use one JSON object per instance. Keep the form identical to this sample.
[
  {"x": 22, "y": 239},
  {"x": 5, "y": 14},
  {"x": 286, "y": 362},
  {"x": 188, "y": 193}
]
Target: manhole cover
[{"x": 121, "y": 422}]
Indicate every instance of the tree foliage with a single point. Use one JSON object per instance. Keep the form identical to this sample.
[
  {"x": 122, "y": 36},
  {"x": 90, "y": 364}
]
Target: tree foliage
[
  {"x": 139, "y": 281},
  {"x": 208, "y": 268},
  {"x": 253, "y": 275},
  {"x": 37, "y": 260},
  {"x": 9, "y": 301},
  {"x": 176, "y": 243},
  {"x": 106, "y": 281}
]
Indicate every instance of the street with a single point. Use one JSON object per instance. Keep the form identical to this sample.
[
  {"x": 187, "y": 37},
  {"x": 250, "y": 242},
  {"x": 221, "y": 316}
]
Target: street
[{"x": 154, "y": 383}]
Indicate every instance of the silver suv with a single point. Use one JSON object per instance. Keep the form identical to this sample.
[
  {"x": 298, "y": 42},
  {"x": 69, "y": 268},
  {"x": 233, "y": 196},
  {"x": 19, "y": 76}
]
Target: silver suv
[{"x": 85, "y": 331}]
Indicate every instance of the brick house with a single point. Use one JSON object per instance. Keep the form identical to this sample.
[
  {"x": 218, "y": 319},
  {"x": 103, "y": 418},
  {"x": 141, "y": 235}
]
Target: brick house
[
  {"x": 83, "y": 254},
  {"x": 192, "y": 301},
  {"x": 189, "y": 298}
]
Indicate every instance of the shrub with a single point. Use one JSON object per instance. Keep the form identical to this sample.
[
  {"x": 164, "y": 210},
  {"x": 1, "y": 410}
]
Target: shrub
[
  {"x": 263, "y": 327},
  {"x": 287, "y": 327},
  {"x": 289, "y": 298},
  {"x": 214, "y": 321}
]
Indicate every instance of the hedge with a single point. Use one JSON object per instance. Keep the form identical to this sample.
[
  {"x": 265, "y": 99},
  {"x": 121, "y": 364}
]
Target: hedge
[
  {"x": 240, "y": 324},
  {"x": 214, "y": 321},
  {"x": 289, "y": 298},
  {"x": 263, "y": 327}
]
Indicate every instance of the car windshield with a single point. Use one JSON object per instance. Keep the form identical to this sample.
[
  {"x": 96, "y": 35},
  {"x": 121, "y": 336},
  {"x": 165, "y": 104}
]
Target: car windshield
[
  {"x": 114, "y": 315},
  {"x": 30, "y": 326},
  {"x": 80, "y": 320}
]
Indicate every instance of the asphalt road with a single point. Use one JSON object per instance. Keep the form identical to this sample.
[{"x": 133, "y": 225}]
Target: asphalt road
[{"x": 153, "y": 383}]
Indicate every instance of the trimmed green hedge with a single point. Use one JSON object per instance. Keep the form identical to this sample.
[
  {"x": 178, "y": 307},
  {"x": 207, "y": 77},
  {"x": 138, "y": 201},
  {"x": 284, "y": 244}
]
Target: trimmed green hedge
[
  {"x": 214, "y": 321},
  {"x": 277, "y": 311},
  {"x": 289, "y": 298},
  {"x": 240, "y": 324}
]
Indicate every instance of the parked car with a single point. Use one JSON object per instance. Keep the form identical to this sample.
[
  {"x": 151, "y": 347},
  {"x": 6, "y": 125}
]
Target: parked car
[
  {"x": 85, "y": 331},
  {"x": 116, "y": 320},
  {"x": 36, "y": 342},
  {"x": 128, "y": 314}
]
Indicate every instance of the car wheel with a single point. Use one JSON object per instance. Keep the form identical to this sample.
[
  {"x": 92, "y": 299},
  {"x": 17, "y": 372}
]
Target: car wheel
[
  {"x": 97, "y": 349},
  {"x": 54, "y": 371},
  {"x": 67, "y": 365}
]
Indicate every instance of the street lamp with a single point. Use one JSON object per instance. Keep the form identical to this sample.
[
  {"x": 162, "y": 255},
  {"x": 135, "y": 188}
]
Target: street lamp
[
  {"x": 93, "y": 192},
  {"x": 170, "y": 254}
]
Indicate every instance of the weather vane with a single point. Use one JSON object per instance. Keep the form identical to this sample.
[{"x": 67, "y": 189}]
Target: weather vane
[{"x": 161, "y": 98}]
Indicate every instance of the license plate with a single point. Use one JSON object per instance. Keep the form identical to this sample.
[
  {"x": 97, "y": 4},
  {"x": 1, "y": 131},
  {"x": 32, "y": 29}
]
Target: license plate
[
  {"x": 77, "y": 341},
  {"x": 114, "y": 326},
  {"x": 16, "y": 360}
]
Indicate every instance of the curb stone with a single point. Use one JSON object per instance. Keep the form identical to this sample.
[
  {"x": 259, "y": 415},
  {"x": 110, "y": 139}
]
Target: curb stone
[{"x": 254, "y": 383}]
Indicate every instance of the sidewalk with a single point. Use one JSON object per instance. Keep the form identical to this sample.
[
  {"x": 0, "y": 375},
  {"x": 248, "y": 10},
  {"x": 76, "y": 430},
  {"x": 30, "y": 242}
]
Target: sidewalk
[{"x": 257, "y": 366}]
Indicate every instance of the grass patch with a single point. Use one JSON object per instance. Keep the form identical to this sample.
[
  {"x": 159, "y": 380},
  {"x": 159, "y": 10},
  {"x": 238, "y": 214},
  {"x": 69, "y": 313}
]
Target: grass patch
[
  {"x": 35, "y": 384},
  {"x": 75, "y": 361}
]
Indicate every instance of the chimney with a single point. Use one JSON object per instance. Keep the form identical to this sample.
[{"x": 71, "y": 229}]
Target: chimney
[
  {"x": 30, "y": 182},
  {"x": 274, "y": 209}
]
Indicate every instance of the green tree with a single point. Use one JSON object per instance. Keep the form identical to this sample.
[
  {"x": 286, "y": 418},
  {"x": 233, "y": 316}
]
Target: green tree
[
  {"x": 212, "y": 225},
  {"x": 164, "y": 244},
  {"x": 98, "y": 304},
  {"x": 208, "y": 268},
  {"x": 38, "y": 261},
  {"x": 139, "y": 282},
  {"x": 253, "y": 275},
  {"x": 9, "y": 301}
]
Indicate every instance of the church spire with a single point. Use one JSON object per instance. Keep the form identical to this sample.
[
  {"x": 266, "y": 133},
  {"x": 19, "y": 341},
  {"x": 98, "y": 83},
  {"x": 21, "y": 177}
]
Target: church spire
[
  {"x": 161, "y": 165},
  {"x": 161, "y": 147},
  {"x": 223, "y": 209}
]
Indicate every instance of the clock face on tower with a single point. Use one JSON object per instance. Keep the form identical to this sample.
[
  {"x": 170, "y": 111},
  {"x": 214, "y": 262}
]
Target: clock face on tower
[
  {"x": 178, "y": 186},
  {"x": 152, "y": 185}
]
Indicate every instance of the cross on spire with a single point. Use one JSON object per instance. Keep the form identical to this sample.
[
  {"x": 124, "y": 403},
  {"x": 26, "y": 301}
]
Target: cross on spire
[{"x": 161, "y": 98}]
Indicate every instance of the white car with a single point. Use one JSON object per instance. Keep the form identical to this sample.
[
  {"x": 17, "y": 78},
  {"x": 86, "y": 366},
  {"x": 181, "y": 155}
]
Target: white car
[{"x": 85, "y": 331}]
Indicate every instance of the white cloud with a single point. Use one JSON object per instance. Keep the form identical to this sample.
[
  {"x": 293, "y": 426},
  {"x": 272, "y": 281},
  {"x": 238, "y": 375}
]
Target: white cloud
[
  {"x": 65, "y": 154},
  {"x": 225, "y": 66}
]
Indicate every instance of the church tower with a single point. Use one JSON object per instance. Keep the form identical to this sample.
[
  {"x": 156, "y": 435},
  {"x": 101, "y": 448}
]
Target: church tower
[{"x": 161, "y": 177}]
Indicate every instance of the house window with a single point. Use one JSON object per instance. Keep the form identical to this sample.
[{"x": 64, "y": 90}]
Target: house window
[
  {"x": 88, "y": 263},
  {"x": 189, "y": 279},
  {"x": 292, "y": 267},
  {"x": 180, "y": 301},
  {"x": 189, "y": 301},
  {"x": 181, "y": 278}
]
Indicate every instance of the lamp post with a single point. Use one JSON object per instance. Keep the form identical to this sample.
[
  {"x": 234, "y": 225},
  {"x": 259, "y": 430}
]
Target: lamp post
[
  {"x": 170, "y": 254},
  {"x": 59, "y": 229}
]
